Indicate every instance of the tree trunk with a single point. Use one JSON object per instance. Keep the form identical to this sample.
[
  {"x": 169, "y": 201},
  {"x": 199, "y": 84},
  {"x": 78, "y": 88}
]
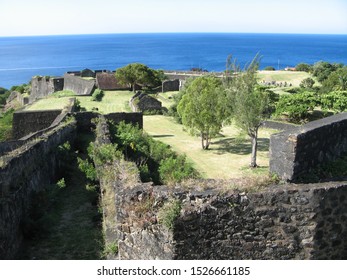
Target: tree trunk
[
  {"x": 204, "y": 141},
  {"x": 254, "y": 138}
]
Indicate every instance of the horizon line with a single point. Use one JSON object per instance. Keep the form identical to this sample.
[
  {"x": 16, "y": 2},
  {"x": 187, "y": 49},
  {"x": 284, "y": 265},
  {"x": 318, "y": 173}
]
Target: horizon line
[{"x": 170, "y": 32}]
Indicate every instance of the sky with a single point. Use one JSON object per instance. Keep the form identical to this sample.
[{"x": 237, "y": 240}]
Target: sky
[{"x": 47, "y": 17}]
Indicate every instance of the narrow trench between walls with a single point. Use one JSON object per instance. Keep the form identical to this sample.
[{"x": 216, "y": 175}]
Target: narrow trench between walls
[{"x": 65, "y": 221}]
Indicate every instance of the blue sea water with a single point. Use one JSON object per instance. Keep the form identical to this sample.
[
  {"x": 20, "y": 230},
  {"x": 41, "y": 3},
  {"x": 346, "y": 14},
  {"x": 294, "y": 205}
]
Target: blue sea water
[{"x": 24, "y": 57}]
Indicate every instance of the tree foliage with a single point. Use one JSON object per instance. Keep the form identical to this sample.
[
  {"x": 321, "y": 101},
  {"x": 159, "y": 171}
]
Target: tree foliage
[
  {"x": 139, "y": 74},
  {"x": 297, "y": 106},
  {"x": 202, "y": 108},
  {"x": 249, "y": 104},
  {"x": 304, "y": 67},
  {"x": 307, "y": 83}
]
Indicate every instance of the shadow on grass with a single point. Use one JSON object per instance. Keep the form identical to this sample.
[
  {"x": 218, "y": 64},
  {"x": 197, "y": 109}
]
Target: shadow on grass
[
  {"x": 162, "y": 136},
  {"x": 239, "y": 146}
]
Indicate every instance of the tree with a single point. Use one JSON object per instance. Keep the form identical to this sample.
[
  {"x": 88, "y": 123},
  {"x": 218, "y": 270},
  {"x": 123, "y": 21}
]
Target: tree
[
  {"x": 323, "y": 69},
  {"x": 269, "y": 68},
  {"x": 304, "y": 67},
  {"x": 202, "y": 108},
  {"x": 337, "y": 80},
  {"x": 137, "y": 73},
  {"x": 307, "y": 83},
  {"x": 249, "y": 104}
]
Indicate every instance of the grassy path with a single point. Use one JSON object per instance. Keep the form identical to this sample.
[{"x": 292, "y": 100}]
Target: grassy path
[{"x": 70, "y": 228}]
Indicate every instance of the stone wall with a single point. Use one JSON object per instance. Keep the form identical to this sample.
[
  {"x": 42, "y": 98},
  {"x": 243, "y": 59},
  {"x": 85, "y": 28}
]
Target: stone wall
[
  {"x": 171, "y": 85},
  {"x": 78, "y": 85},
  {"x": 43, "y": 86},
  {"x": 85, "y": 119},
  {"x": 27, "y": 171},
  {"x": 295, "y": 152},
  {"x": 281, "y": 222},
  {"x": 26, "y": 122}
]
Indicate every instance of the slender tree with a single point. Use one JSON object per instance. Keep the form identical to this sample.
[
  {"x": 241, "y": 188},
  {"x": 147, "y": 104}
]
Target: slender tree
[
  {"x": 202, "y": 108},
  {"x": 248, "y": 103}
]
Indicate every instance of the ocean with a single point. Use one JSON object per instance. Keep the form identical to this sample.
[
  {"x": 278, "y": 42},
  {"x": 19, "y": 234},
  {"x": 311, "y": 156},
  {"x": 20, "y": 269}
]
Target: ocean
[{"x": 24, "y": 57}]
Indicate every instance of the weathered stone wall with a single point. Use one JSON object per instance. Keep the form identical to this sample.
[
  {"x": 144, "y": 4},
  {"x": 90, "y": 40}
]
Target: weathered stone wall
[
  {"x": 43, "y": 86},
  {"x": 281, "y": 222},
  {"x": 26, "y": 122},
  {"x": 171, "y": 85},
  {"x": 27, "y": 171},
  {"x": 108, "y": 81},
  {"x": 295, "y": 152},
  {"x": 85, "y": 119},
  {"x": 78, "y": 85}
]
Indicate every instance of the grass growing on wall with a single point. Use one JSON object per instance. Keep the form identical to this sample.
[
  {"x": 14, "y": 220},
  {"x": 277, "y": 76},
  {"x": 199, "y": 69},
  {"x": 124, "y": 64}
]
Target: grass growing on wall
[{"x": 6, "y": 125}]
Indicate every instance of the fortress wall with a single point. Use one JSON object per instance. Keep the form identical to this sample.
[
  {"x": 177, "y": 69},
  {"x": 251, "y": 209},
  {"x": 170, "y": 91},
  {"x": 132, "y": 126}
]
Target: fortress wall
[
  {"x": 282, "y": 222},
  {"x": 26, "y": 122},
  {"x": 78, "y": 85},
  {"x": 171, "y": 85},
  {"x": 22, "y": 174},
  {"x": 43, "y": 86},
  {"x": 295, "y": 152}
]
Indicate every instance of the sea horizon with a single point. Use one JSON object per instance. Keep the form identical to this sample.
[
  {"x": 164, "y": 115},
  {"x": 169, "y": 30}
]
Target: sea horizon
[{"x": 22, "y": 57}]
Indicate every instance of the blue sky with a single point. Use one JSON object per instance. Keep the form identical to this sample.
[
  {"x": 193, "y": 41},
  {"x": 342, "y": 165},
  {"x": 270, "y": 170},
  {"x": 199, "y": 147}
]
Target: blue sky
[{"x": 46, "y": 17}]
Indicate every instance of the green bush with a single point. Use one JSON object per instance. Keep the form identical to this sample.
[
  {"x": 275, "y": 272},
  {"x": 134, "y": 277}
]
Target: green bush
[
  {"x": 175, "y": 169},
  {"x": 6, "y": 125},
  {"x": 269, "y": 68},
  {"x": 87, "y": 168},
  {"x": 97, "y": 95},
  {"x": 155, "y": 160},
  {"x": 168, "y": 214},
  {"x": 297, "y": 106}
]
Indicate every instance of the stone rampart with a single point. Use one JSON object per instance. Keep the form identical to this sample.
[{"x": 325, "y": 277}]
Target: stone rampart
[
  {"x": 26, "y": 122},
  {"x": 171, "y": 85},
  {"x": 295, "y": 152},
  {"x": 23, "y": 173},
  {"x": 281, "y": 222},
  {"x": 278, "y": 222},
  {"x": 78, "y": 85},
  {"x": 43, "y": 86}
]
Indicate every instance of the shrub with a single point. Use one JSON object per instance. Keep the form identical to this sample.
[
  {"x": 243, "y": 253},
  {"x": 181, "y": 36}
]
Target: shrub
[
  {"x": 87, "y": 168},
  {"x": 297, "y": 106},
  {"x": 169, "y": 213},
  {"x": 97, "y": 95},
  {"x": 307, "y": 83},
  {"x": 6, "y": 125},
  {"x": 61, "y": 183},
  {"x": 155, "y": 160},
  {"x": 175, "y": 169},
  {"x": 269, "y": 68}
]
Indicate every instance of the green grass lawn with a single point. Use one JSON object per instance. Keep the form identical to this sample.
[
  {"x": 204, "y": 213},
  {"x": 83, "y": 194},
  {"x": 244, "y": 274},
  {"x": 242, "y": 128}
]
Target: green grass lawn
[
  {"x": 228, "y": 156},
  {"x": 293, "y": 77},
  {"x": 113, "y": 101}
]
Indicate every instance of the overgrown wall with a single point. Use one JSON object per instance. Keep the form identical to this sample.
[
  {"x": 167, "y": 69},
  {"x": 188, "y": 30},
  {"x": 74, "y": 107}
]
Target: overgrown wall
[
  {"x": 281, "y": 222},
  {"x": 295, "y": 152},
  {"x": 27, "y": 171},
  {"x": 78, "y": 85}
]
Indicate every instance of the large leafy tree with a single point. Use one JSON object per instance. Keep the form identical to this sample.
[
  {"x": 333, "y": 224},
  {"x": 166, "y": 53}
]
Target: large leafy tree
[
  {"x": 249, "y": 104},
  {"x": 202, "y": 108},
  {"x": 137, "y": 73}
]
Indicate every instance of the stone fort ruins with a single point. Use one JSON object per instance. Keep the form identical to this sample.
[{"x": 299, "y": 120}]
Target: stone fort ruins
[{"x": 285, "y": 221}]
